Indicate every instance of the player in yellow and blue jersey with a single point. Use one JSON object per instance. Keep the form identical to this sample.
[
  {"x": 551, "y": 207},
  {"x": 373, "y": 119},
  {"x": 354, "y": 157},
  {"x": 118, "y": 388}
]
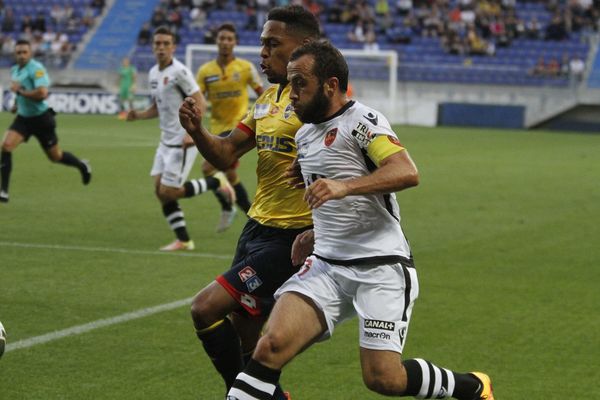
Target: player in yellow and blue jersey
[
  {"x": 224, "y": 82},
  {"x": 278, "y": 214},
  {"x": 30, "y": 83}
]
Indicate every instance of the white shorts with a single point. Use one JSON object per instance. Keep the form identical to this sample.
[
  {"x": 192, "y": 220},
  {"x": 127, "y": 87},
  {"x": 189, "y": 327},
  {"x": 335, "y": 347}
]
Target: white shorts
[
  {"x": 381, "y": 296},
  {"x": 173, "y": 164}
]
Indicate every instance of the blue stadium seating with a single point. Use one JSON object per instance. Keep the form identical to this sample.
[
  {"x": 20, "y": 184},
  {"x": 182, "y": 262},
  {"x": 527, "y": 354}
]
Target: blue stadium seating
[
  {"x": 423, "y": 59},
  {"x": 23, "y": 8}
]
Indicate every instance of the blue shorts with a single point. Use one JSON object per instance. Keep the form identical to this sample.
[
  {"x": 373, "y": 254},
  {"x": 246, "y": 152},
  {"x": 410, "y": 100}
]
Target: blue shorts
[{"x": 262, "y": 263}]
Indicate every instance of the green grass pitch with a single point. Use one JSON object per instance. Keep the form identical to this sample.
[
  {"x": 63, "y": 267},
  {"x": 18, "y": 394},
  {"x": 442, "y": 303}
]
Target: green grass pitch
[{"x": 504, "y": 228}]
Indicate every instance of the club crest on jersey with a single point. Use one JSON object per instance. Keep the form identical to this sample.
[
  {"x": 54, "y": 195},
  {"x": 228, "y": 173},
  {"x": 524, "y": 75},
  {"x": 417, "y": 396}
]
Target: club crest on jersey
[
  {"x": 330, "y": 137},
  {"x": 394, "y": 140},
  {"x": 236, "y": 76},
  {"x": 246, "y": 273},
  {"x": 165, "y": 80},
  {"x": 288, "y": 111},
  {"x": 253, "y": 283},
  {"x": 377, "y": 324},
  {"x": 274, "y": 110},
  {"x": 362, "y": 134}
]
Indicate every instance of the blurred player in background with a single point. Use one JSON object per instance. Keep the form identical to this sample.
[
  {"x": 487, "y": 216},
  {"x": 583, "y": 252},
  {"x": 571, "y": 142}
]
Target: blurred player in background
[
  {"x": 170, "y": 83},
  {"x": 351, "y": 163},
  {"x": 30, "y": 82},
  {"x": 278, "y": 214},
  {"x": 127, "y": 77},
  {"x": 224, "y": 82}
]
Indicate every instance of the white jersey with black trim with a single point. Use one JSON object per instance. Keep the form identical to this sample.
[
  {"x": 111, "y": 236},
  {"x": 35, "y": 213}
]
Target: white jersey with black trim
[
  {"x": 168, "y": 88},
  {"x": 355, "y": 229}
]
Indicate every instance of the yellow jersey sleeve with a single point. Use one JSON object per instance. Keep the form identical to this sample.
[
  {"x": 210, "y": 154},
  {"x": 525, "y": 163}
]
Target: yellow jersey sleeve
[
  {"x": 248, "y": 122},
  {"x": 382, "y": 147}
]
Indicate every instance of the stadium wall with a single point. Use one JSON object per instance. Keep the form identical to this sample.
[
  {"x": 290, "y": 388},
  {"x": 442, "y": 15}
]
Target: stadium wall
[
  {"x": 481, "y": 115},
  {"x": 416, "y": 103},
  {"x": 78, "y": 101}
]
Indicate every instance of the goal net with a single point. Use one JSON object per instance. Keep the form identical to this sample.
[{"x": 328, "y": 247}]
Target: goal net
[{"x": 373, "y": 75}]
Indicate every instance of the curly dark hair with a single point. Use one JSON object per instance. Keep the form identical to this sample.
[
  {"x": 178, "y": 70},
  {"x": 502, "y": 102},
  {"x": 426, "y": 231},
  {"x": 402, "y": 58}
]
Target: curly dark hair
[{"x": 297, "y": 20}]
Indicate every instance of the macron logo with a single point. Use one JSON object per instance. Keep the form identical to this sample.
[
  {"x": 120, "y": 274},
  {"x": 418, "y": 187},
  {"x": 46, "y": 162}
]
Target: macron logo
[{"x": 376, "y": 324}]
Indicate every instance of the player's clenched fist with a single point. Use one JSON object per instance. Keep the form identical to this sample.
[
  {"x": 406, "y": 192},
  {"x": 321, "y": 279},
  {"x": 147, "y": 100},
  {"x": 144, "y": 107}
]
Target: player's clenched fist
[
  {"x": 323, "y": 190},
  {"x": 190, "y": 115}
]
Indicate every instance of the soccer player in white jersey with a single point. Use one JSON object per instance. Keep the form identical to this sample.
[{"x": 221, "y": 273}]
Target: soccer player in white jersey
[
  {"x": 170, "y": 83},
  {"x": 351, "y": 163}
]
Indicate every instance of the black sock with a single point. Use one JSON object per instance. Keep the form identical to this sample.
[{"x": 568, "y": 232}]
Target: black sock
[
  {"x": 261, "y": 387},
  {"x": 225, "y": 205},
  {"x": 222, "y": 345},
  {"x": 438, "y": 383},
  {"x": 5, "y": 169},
  {"x": 195, "y": 187},
  {"x": 70, "y": 160},
  {"x": 176, "y": 220},
  {"x": 278, "y": 393},
  {"x": 242, "y": 197}
]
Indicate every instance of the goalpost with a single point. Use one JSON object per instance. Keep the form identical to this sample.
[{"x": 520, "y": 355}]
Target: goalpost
[{"x": 373, "y": 74}]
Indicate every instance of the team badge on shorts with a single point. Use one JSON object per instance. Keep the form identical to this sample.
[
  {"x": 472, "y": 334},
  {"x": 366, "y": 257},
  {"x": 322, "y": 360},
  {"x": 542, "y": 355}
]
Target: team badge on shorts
[
  {"x": 253, "y": 283},
  {"x": 246, "y": 273},
  {"x": 330, "y": 136}
]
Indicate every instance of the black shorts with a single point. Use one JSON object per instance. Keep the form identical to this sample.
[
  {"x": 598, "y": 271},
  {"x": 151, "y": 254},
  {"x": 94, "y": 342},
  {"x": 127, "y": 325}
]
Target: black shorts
[
  {"x": 262, "y": 263},
  {"x": 42, "y": 126}
]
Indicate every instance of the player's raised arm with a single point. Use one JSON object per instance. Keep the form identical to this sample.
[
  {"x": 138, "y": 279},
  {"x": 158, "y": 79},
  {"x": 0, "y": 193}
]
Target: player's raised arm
[
  {"x": 219, "y": 151},
  {"x": 395, "y": 172}
]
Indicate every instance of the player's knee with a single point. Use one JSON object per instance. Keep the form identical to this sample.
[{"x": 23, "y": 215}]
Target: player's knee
[
  {"x": 208, "y": 169},
  {"x": 202, "y": 312},
  {"x": 8, "y": 146},
  {"x": 269, "y": 347},
  {"x": 166, "y": 194},
  {"x": 54, "y": 157},
  {"x": 383, "y": 382}
]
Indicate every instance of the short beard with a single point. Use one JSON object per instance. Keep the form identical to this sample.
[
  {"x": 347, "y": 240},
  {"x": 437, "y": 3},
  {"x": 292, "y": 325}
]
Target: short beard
[{"x": 316, "y": 110}]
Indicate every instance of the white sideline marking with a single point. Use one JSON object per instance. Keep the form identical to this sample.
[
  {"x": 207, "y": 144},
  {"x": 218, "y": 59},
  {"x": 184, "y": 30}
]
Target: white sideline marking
[
  {"x": 101, "y": 323},
  {"x": 115, "y": 250}
]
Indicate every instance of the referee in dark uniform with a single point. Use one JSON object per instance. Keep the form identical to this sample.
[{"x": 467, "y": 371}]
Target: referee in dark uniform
[{"x": 30, "y": 83}]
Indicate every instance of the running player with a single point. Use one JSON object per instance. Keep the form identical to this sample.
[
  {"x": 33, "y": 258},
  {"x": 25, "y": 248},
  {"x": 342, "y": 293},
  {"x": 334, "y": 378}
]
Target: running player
[
  {"x": 30, "y": 82},
  {"x": 351, "y": 163},
  {"x": 170, "y": 83},
  {"x": 224, "y": 82},
  {"x": 278, "y": 214}
]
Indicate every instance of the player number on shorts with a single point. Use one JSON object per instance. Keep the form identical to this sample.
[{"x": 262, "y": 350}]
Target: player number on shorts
[{"x": 248, "y": 300}]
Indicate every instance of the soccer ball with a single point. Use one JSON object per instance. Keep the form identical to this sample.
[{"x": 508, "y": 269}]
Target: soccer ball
[{"x": 2, "y": 339}]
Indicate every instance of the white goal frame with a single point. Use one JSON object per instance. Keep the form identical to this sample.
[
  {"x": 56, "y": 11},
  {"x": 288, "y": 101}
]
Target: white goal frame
[{"x": 390, "y": 57}]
